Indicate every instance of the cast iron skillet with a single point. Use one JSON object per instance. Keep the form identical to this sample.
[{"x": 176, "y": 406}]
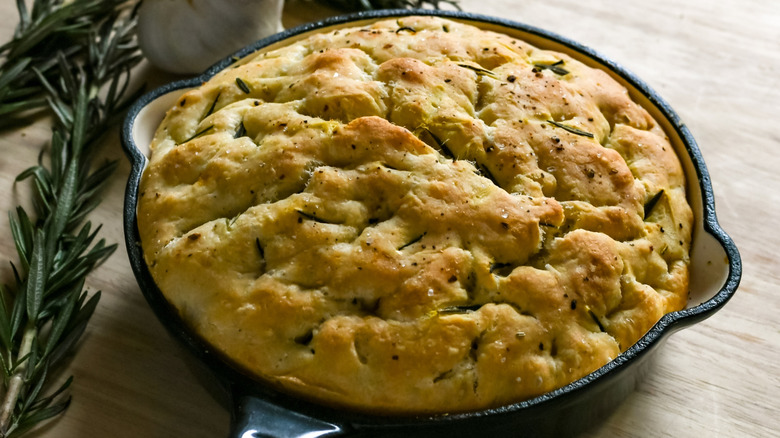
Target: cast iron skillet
[{"x": 259, "y": 410}]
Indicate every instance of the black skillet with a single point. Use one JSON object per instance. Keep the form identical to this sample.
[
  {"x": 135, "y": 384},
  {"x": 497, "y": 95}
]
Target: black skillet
[{"x": 259, "y": 410}]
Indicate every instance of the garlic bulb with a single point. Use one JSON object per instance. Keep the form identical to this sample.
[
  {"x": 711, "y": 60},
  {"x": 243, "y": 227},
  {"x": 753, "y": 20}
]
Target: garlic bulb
[{"x": 188, "y": 36}]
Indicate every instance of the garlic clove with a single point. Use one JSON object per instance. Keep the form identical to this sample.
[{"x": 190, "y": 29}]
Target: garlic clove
[{"x": 188, "y": 36}]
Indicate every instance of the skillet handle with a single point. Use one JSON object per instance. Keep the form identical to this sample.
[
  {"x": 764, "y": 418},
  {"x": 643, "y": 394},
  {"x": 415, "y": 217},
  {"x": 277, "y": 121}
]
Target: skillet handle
[{"x": 254, "y": 417}]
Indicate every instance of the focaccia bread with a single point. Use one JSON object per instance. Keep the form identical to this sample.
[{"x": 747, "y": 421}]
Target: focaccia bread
[{"x": 415, "y": 216}]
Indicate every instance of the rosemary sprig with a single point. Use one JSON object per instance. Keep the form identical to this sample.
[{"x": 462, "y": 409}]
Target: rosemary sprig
[
  {"x": 75, "y": 58},
  {"x": 49, "y": 27}
]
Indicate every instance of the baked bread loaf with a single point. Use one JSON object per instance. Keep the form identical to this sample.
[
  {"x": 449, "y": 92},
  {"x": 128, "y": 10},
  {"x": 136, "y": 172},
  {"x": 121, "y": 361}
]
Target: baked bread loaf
[{"x": 415, "y": 216}]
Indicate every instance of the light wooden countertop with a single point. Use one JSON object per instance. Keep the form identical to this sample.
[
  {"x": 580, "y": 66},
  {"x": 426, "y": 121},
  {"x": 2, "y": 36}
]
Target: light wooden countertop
[{"x": 716, "y": 63}]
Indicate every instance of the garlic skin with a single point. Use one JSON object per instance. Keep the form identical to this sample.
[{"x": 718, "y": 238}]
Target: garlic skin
[{"x": 188, "y": 36}]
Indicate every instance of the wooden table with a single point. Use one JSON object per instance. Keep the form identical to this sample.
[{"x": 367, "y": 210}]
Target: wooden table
[{"x": 717, "y": 63}]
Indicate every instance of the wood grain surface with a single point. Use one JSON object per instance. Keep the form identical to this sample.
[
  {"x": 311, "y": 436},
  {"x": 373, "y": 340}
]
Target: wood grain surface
[{"x": 716, "y": 63}]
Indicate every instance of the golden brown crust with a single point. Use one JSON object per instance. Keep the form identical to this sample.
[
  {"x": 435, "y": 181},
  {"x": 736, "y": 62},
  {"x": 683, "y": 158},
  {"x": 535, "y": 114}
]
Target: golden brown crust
[{"x": 415, "y": 217}]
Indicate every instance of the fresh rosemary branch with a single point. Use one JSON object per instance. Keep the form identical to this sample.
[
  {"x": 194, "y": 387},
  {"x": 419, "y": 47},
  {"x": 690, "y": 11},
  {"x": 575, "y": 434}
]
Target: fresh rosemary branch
[
  {"x": 75, "y": 58},
  {"x": 49, "y": 27},
  {"x": 368, "y": 5}
]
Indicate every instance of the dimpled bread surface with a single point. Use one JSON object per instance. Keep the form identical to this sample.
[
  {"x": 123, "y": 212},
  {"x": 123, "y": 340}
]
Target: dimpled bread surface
[{"x": 415, "y": 216}]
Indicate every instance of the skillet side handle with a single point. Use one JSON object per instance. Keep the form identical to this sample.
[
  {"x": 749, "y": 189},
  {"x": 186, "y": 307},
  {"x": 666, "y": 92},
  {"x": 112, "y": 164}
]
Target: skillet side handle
[{"x": 253, "y": 417}]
